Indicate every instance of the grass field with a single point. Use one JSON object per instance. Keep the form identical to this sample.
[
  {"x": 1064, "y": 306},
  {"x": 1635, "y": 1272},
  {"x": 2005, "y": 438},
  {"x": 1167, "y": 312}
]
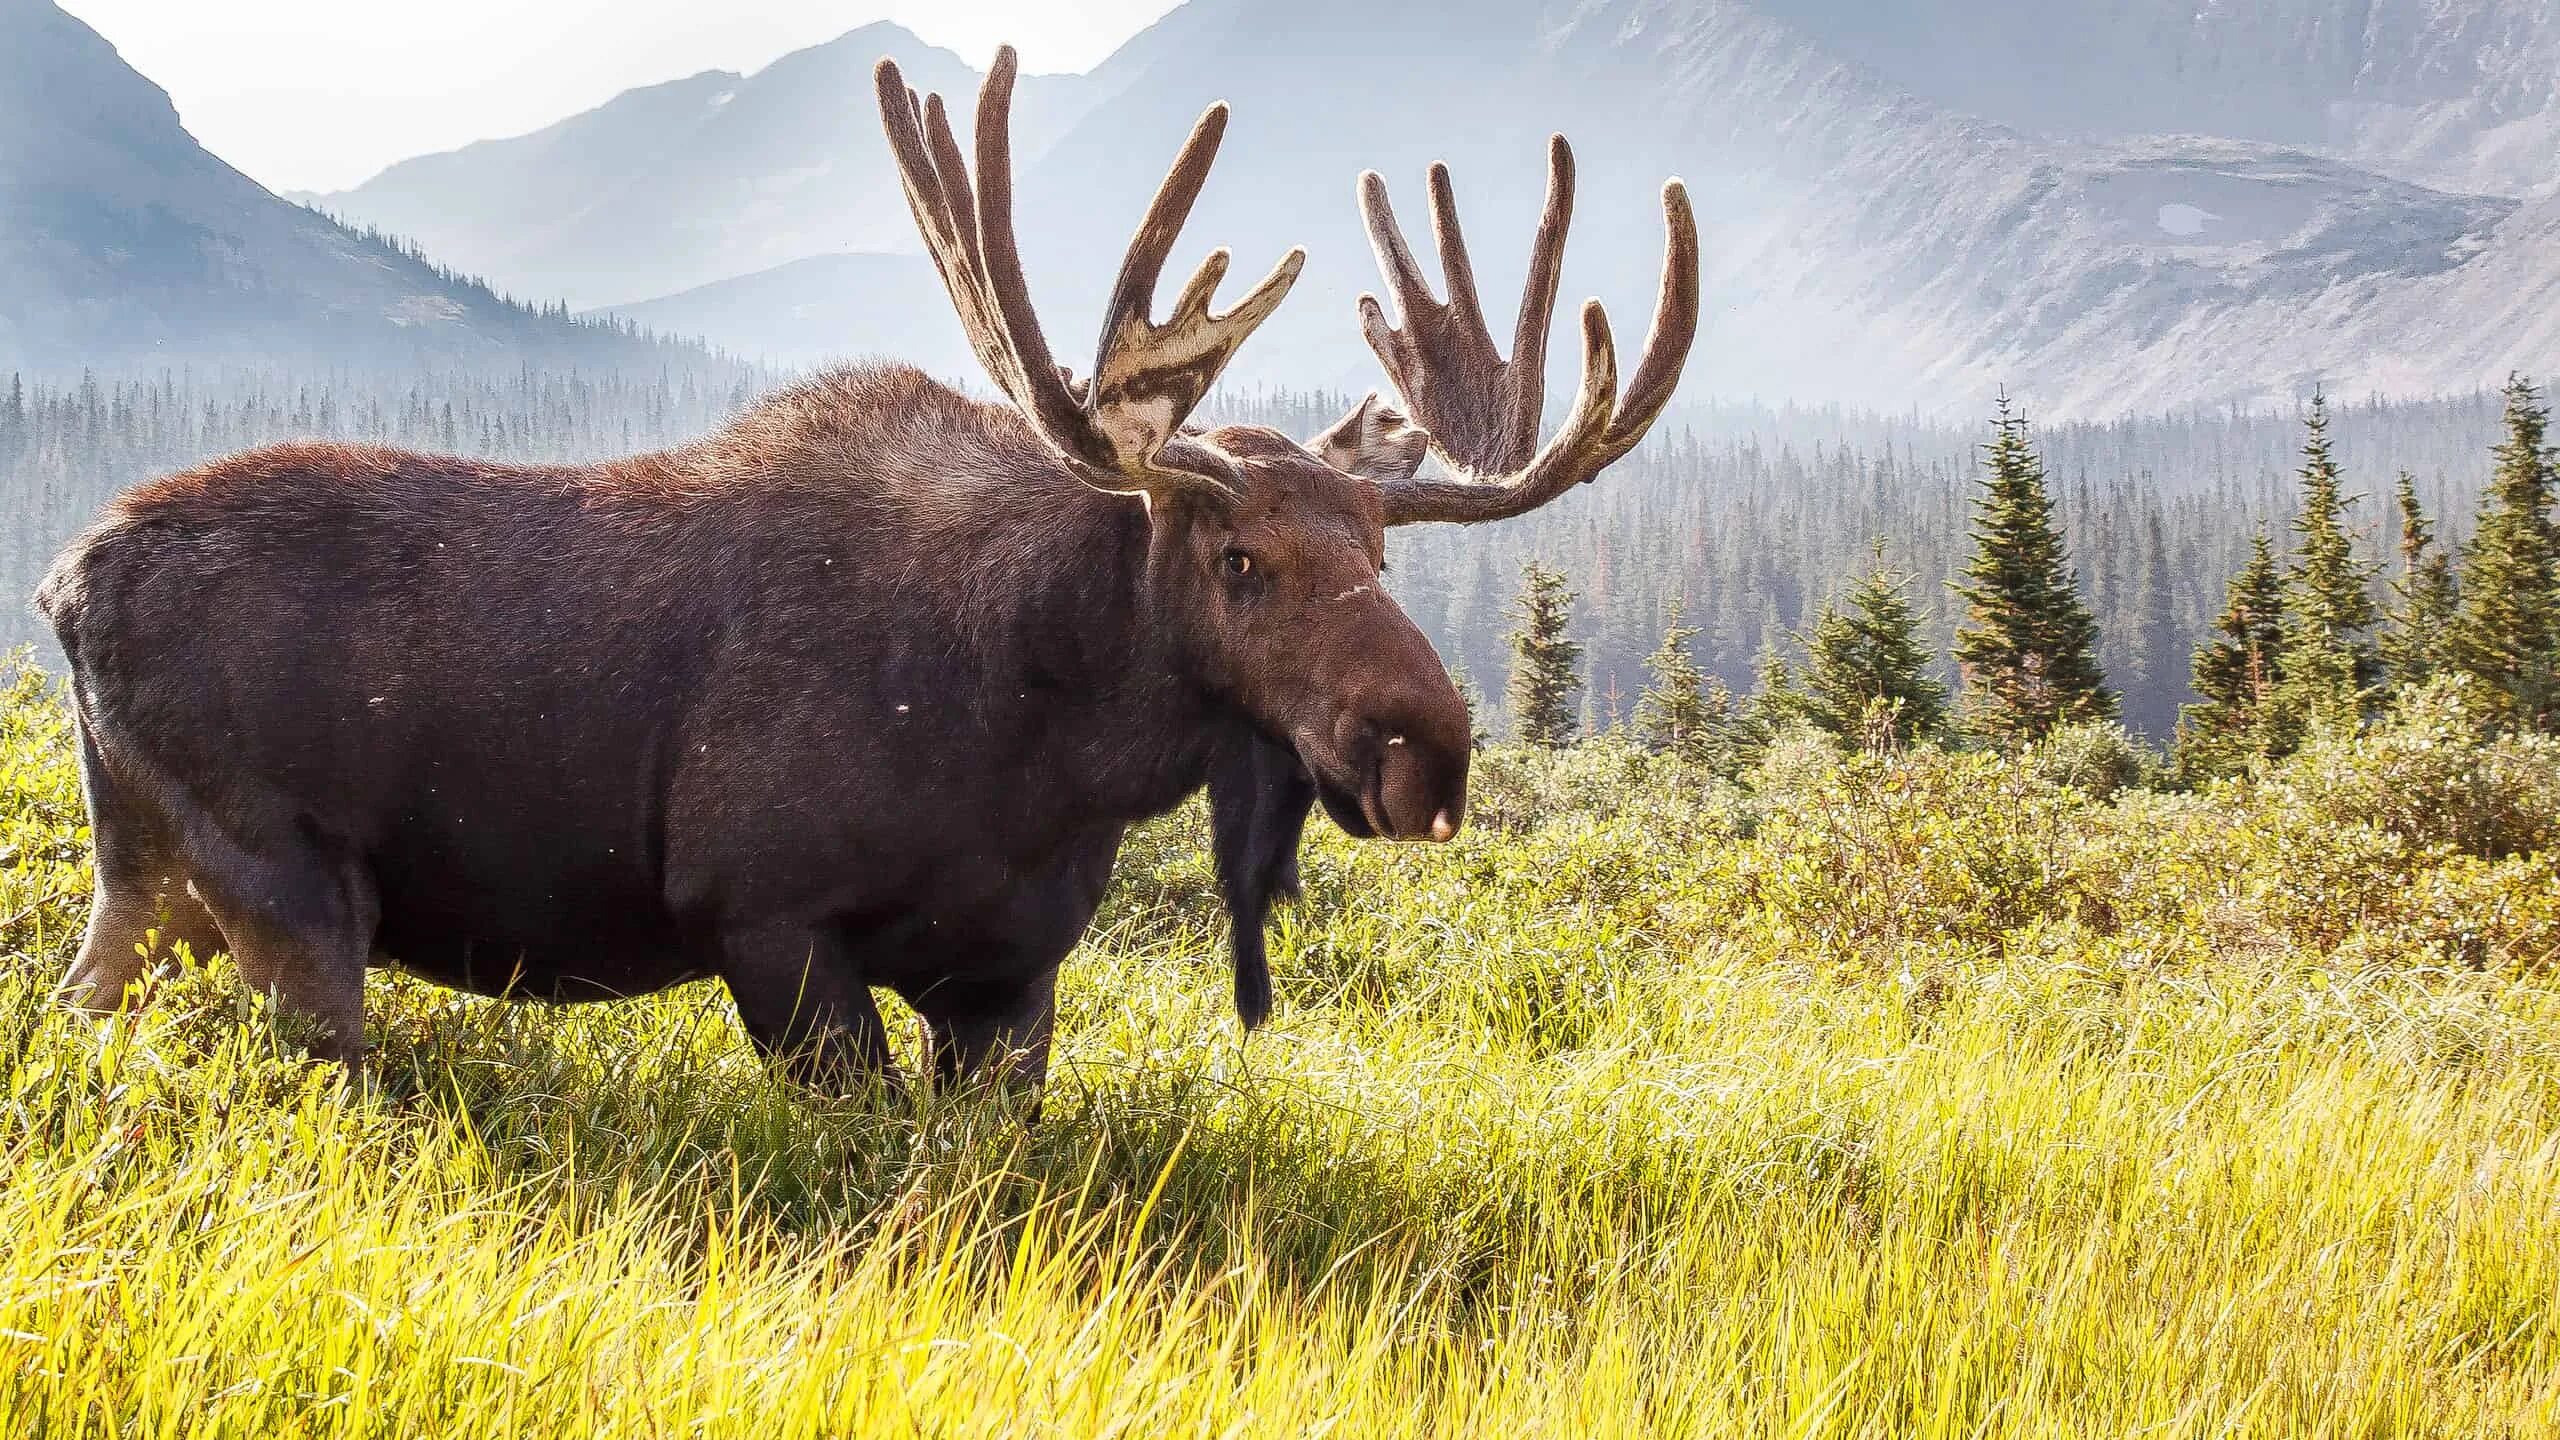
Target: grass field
[{"x": 1882, "y": 1096}]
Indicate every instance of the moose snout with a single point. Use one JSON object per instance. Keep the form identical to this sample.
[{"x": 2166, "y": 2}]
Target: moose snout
[{"x": 1415, "y": 762}]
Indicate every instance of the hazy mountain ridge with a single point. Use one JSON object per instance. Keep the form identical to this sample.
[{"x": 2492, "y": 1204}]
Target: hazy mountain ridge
[
  {"x": 821, "y": 309},
  {"x": 1882, "y": 224},
  {"x": 675, "y": 186},
  {"x": 1860, "y": 241},
  {"x": 122, "y": 239},
  {"x": 2459, "y": 94}
]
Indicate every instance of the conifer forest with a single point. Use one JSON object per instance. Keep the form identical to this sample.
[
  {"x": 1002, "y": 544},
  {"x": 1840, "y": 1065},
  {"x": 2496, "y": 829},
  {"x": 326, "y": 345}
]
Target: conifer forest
[{"x": 1752, "y": 522}]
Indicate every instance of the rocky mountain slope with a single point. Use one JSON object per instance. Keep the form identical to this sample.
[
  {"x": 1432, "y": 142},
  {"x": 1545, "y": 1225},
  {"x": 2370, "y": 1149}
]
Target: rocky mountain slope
[
  {"x": 123, "y": 240},
  {"x": 820, "y": 310},
  {"x": 674, "y": 186},
  {"x": 2102, "y": 207},
  {"x": 2461, "y": 94}
]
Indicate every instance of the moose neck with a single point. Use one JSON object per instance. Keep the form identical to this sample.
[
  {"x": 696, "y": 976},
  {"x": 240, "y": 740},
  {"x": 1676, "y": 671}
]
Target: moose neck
[{"x": 1134, "y": 713}]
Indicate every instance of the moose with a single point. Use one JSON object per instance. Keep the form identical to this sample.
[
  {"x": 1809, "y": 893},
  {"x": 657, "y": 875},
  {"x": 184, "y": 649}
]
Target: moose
[{"x": 862, "y": 689}]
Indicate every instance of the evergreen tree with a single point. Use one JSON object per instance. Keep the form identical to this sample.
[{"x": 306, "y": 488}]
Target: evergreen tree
[
  {"x": 1473, "y": 699},
  {"x": 2027, "y": 649},
  {"x": 2329, "y": 662},
  {"x": 1681, "y": 711},
  {"x": 2413, "y": 642},
  {"x": 1869, "y": 656},
  {"x": 2237, "y": 673},
  {"x": 2159, "y": 651},
  {"x": 1546, "y": 664},
  {"x": 1776, "y": 702},
  {"x": 2506, "y": 635}
]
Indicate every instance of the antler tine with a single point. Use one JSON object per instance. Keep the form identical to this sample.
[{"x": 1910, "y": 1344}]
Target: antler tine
[
  {"x": 1675, "y": 315},
  {"x": 1413, "y": 294},
  {"x": 1455, "y": 266},
  {"x": 1120, "y": 430},
  {"x": 1153, "y": 374},
  {"x": 1546, "y": 269},
  {"x": 970, "y": 236},
  {"x": 1481, "y": 412},
  {"x": 1135, "y": 290}
]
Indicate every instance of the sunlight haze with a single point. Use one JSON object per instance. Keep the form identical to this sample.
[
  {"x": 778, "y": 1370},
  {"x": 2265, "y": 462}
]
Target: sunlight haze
[{"x": 320, "y": 95}]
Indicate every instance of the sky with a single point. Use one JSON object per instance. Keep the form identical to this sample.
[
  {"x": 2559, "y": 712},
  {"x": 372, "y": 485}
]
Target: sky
[{"x": 321, "y": 94}]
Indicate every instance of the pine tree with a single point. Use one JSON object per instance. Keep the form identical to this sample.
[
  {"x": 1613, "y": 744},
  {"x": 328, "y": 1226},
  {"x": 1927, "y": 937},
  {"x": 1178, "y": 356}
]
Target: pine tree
[
  {"x": 2329, "y": 661},
  {"x": 2236, "y": 674},
  {"x": 2413, "y": 642},
  {"x": 1869, "y": 656},
  {"x": 2159, "y": 651},
  {"x": 2027, "y": 649},
  {"x": 1776, "y": 702},
  {"x": 1546, "y": 664},
  {"x": 2506, "y": 635},
  {"x": 1473, "y": 699},
  {"x": 1681, "y": 711}
]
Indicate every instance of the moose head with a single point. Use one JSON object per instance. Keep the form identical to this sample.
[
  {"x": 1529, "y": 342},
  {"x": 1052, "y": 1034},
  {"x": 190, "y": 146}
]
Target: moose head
[{"x": 1265, "y": 553}]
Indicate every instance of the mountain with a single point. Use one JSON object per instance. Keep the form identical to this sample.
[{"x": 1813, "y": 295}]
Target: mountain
[
  {"x": 2100, "y": 206},
  {"x": 822, "y": 309},
  {"x": 1862, "y": 242},
  {"x": 2459, "y": 94},
  {"x": 122, "y": 240},
  {"x": 674, "y": 186}
]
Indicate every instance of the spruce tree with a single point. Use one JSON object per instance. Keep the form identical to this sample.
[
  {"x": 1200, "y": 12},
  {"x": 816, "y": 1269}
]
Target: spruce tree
[
  {"x": 2027, "y": 650},
  {"x": 1776, "y": 702},
  {"x": 2159, "y": 651},
  {"x": 2329, "y": 661},
  {"x": 1546, "y": 663},
  {"x": 2506, "y": 634},
  {"x": 1473, "y": 699},
  {"x": 1681, "y": 711},
  {"x": 2236, "y": 673},
  {"x": 1868, "y": 657},
  {"x": 2425, "y": 597}
]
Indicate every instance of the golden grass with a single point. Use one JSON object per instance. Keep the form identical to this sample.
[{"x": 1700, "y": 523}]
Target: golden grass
[{"x": 1658, "y": 1110}]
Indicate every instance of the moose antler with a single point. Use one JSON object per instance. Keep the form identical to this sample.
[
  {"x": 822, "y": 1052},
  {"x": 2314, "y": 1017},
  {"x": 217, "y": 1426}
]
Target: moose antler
[
  {"x": 1122, "y": 429},
  {"x": 1482, "y": 411}
]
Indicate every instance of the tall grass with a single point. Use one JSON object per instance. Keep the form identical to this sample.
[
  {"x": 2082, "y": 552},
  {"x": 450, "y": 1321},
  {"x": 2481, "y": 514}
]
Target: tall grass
[{"x": 1915, "y": 1095}]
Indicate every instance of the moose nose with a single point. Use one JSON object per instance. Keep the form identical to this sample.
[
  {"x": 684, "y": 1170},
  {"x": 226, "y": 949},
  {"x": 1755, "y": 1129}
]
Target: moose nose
[{"x": 1419, "y": 787}]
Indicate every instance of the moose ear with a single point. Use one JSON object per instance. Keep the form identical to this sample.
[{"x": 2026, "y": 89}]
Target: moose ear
[{"x": 1375, "y": 441}]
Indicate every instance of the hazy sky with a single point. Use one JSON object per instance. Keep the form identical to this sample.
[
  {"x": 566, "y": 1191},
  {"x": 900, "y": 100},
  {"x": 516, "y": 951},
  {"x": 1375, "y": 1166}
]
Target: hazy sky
[{"x": 320, "y": 94}]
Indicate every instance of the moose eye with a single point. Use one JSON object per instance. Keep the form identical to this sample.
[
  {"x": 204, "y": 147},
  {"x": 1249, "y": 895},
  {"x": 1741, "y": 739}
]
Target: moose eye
[{"x": 1237, "y": 562}]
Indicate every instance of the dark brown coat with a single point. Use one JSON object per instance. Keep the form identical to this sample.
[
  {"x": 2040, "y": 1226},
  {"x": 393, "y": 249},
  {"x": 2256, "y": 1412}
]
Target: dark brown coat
[{"x": 862, "y": 690}]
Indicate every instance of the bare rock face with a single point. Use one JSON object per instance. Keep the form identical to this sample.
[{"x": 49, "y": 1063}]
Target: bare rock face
[
  {"x": 123, "y": 240},
  {"x": 2132, "y": 205}
]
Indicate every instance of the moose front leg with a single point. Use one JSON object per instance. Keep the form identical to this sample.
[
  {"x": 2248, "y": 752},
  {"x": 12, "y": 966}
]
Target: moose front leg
[
  {"x": 994, "y": 1032},
  {"x": 806, "y": 1008}
]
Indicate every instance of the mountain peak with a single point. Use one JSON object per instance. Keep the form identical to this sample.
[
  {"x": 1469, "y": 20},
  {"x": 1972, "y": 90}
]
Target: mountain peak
[{"x": 125, "y": 239}]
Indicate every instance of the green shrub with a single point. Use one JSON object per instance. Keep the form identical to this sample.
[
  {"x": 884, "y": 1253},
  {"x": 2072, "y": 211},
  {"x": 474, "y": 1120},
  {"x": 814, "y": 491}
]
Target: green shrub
[
  {"x": 2435, "y": 771},
  {"x": 2098, "y": 759}
]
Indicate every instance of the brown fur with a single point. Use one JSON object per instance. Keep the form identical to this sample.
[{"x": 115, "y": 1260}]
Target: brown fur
[{"x": 862, "y": 689}]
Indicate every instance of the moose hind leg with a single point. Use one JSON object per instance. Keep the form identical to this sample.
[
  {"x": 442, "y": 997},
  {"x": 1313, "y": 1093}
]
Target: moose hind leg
[
  {"x": 301, "y": 924},
  {"x": 142, "y": 908},
  {"x": 805, "y": 1008},
  {"x": 130, "y": 925}
]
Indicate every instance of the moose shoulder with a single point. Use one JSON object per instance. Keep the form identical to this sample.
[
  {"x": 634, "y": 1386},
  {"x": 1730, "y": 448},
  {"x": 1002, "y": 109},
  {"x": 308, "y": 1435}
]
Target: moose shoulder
[{"x": 862, "y": 690}]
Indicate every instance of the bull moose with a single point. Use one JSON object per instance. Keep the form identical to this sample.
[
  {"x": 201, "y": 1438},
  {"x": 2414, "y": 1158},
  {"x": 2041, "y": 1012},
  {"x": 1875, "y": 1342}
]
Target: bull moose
[{"x": 862, "y": 689}]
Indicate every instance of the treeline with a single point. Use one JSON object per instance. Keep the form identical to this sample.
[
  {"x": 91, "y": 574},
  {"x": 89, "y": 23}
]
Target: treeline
[
  {"x": 2321, "y": 641},
  {"x": 66, "y": 449},
  {"x": 1746, "y": 519}
]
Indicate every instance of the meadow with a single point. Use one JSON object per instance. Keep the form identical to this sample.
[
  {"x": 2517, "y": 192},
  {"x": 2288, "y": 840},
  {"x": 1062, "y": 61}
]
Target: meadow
[{"x": 1864, "y": 1094}]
